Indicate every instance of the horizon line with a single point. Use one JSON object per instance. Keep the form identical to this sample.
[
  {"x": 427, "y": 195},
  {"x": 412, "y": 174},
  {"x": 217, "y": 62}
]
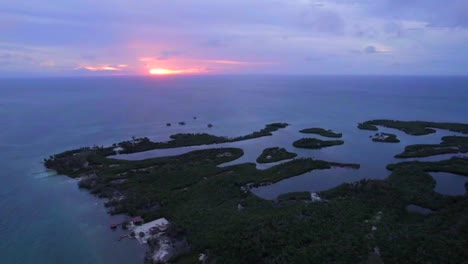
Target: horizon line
[{"x": 224, "y": 75}]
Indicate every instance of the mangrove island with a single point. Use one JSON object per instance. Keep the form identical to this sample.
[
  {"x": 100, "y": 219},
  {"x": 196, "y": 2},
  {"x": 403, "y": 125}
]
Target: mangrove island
[
  {"x": 314, "y": 143},
  {"x": 385, "y": 137},
  {"x": 275, "y": 154},
  {"x": 449, "y": 145},
  {"x": 415, "y": 128},
  {"x": 188, "y": 209},
  {"x": 322, "y": 132}
]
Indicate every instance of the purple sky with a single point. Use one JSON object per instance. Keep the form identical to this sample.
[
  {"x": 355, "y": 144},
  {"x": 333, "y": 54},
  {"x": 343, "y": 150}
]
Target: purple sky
[{"x": 90, "y": 37}]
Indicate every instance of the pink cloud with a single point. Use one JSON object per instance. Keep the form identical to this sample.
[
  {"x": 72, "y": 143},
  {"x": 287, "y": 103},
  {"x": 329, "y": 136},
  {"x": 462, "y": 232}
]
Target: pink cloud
[{"x": 106, "y": 67}]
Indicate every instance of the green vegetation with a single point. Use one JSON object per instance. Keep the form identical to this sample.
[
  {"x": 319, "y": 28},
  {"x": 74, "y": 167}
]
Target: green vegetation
[
  {"x": 275, "y": 154},
  {"x": 188, "y": 139},
  {"x": 322, "y": 132},
  {"x": 267, "y": 131},
  {"x": 314, "y": 143},
  {"x": 437, "y": 238},
  {"x": 367, "y": 126},
  {"x": 426, "y": 150},
  {"x": 455, "y": 140},
  {"x": 386, "y": 138},
  {"x": 417, "y": 185},
  {"x": 454, "y": 165},
  {"x": 292, "y": 168},
  {"x": 73, "y": 163},
  {"x": 416, "y": 128},
  {"x": 449, "y": 144},
  {"x": 202, "y": 202}
]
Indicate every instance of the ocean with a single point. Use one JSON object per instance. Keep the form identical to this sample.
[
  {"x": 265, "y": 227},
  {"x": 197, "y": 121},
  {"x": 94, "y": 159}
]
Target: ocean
[{"x": 46, "y": 218}]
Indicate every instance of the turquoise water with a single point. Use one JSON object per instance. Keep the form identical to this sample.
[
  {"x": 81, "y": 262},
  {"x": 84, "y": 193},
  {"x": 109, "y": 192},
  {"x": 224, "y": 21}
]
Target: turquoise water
[{"x": 47, "y": 219}]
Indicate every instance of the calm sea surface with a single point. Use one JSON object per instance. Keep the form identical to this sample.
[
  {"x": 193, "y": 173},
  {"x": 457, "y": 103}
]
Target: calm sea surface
[{"x": 47, "y": 219}]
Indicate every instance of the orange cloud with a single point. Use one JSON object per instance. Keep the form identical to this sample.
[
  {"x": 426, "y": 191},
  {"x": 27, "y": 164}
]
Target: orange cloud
[{"x": 181, "y": 65}]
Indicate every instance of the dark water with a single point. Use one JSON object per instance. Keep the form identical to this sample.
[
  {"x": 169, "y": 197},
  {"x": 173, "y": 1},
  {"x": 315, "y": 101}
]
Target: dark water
[
  {"x": 449, "y": 183},
  {"x": 47, "y": 219}
]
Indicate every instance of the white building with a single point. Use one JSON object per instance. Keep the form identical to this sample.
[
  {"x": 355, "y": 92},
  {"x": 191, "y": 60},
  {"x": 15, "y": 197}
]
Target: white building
[{"x": 149, "y": 229}]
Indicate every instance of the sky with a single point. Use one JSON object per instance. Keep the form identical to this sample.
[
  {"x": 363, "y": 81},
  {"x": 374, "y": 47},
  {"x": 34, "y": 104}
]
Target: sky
[{"x": 128, "y": 37}]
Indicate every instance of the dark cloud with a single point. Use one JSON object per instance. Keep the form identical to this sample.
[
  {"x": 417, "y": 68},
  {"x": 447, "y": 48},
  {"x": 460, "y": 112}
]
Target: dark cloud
[{"x": 370, "y": 50}]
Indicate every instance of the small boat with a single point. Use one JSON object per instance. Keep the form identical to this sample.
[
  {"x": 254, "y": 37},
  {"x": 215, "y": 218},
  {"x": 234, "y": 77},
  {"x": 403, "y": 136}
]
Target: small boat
[
  {"x": 210, "y": 125},
  {"x": 168, "y": 124},
  {"x": 114, "y": 226},
  {"x": 194, "y": 117},
  {"x": 181, "y": 123}
]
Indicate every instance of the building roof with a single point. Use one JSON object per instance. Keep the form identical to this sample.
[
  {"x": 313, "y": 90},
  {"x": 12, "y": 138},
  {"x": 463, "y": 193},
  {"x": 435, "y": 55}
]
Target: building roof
[
  {"x": 149, "y": 227},
  {"x": 137, "y": 219}
]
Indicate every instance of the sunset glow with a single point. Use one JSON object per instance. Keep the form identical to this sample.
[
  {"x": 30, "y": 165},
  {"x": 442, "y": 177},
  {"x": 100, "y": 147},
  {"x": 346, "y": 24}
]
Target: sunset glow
[
  {"x": 103, "y": 68},
  {"x": 162, "y": 71},
  {"x": 97, "y": 68},
  {"x": 307, "y": 37},
  {"x": 170, "y": 64}
]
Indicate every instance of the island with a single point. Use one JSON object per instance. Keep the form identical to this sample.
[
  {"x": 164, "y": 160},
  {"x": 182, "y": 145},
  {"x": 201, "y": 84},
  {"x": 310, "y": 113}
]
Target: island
[
  {"x": 321, "y": 132},
  {"x": 449, "y": 145},
  {"x": 188, "y": 209},
  {"x": 207, "y": 206},
  {"x": 190, "y": 139},
  {"x": 367, "y": 126},
  {"x": 314, "y": 143},
  {"x": 416, "y": 128},
  {"x": 385, "y": 138},
  {"x": 275, "y": 154},
  {"x": 144, "y": 144}
]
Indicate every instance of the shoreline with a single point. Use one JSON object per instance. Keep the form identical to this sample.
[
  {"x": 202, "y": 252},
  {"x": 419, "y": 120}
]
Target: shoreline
[{"x": 178, "y": 187}]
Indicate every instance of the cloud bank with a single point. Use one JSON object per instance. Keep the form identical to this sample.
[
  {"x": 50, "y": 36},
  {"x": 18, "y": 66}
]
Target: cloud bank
[{"x": 234, "y": 36}]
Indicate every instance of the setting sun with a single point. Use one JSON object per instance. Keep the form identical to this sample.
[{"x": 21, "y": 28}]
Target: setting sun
[{"x": 162, "y": 71}]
